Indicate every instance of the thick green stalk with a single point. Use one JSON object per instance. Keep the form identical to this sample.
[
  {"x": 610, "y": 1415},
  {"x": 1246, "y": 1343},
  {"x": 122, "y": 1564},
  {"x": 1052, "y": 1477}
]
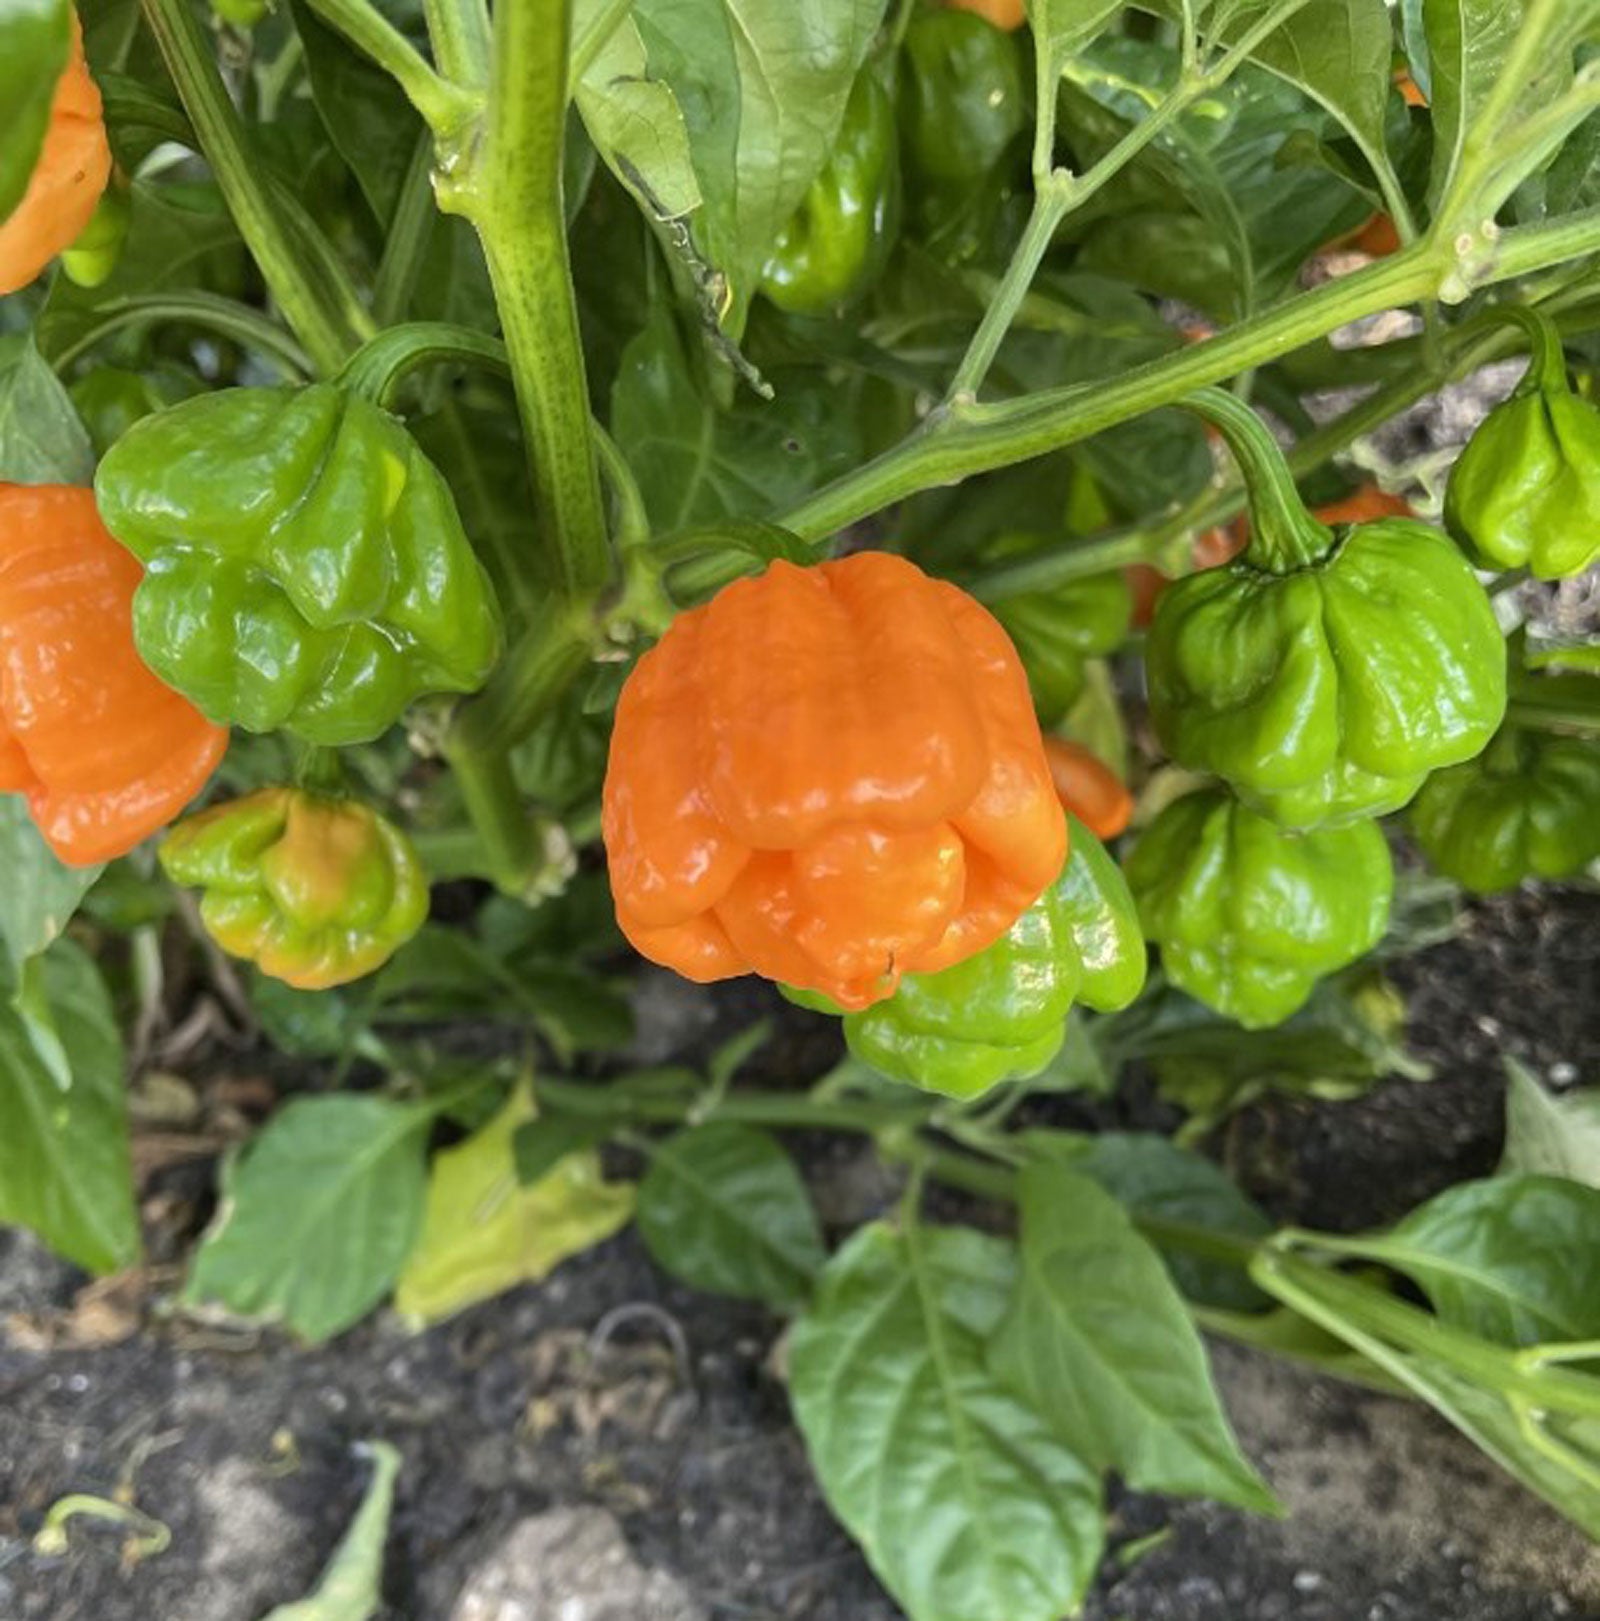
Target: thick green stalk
[
  {"x": 964, "y": 439},
  {"x": 510, "y": 189},
  {"x": 320, "y": 314}
]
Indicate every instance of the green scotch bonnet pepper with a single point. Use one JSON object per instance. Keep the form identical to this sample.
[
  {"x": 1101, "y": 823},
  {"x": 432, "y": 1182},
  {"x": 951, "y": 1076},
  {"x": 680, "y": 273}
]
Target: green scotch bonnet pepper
[
  {"x": 1525, "y": 491},
  {"x": 1002, "y": 1014},
  {"x": 1527, "y": 807},
  {"x": 305, "y": 567},
  {"x": 1324, "y": 673},
  {"x": 837, "y": 241},
  {"x": 1249, "y": 916}
]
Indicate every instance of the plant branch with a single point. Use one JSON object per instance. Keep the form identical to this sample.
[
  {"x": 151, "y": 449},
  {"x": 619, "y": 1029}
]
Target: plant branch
[
  {"x": 445, "y": 107},
  {"x": 459, "y": 31},
  {"x": 225, "y": 317},
  {"x": 319, "y": 313},
  {"x": 511, "y": 192}
]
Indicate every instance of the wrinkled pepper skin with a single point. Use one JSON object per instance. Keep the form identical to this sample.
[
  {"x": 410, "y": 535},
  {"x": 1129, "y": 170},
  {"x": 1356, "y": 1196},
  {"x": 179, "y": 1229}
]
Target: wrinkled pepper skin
[
  {"x": 305, "y": 566},
  {"x": 830, "y": 776},
  {"x": 963, "y": 100},
  {"x": 1527, "y": 807},
  {"x": 1328, "y": 692},
  {"x": 1248, "y": 916},
  {"x": 839, "y": 238},
  {"x": 1057, "y": 632},
  {"x": 1525, "y": 491},
  {"x": 1088, "y": 788},
  {"x": 314, "y": 891},
  {"x": 72, "y": 170},
  {"x": 1002, "y": 1014},
  {"x": 104, "y": 753}
]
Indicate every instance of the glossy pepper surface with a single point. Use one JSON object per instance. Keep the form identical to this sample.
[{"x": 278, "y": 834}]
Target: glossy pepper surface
[
  {"x": 103, "y": 751},
  {"x": 835, "y": 245},
  {"x": 962, "y": 100},
  {"x": 1249, "y": 916},
  {"x": 1527, "y": 807},
  {"x": 1056, "y": 632},
  {"x": 831, "y": 776},
  {"x": 1525, "y": 491},
  {"x": 314, "y": 891},
  {"x": 1088, "y": 788},
  {"x": 71, "y": 172},
  {"x": 305, "y": 565},
  {"x": 1002, "y": 1014},
  {"x": 1325, "y": 672}
]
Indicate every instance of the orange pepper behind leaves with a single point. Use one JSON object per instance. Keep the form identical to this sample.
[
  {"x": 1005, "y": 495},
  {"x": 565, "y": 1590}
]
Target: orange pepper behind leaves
[
  {"x": 1364, "y": 505},
  {"x": 830, "y": 776},
  {"x": 73, "y": 168},
  {"x": 104, "y": 752},
  {"x": 1088, "y": 788},
  {"x": 1006, "y": 14}
]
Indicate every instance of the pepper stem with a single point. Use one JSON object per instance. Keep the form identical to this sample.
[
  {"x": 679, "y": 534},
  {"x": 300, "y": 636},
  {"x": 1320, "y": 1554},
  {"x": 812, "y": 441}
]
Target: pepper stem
[
  {"x": 1547, "y": 361},
  {"x": 1283, "y": 534}
]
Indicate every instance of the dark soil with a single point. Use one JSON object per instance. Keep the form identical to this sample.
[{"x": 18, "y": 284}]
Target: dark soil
[{"x": 611, "y": 1385}]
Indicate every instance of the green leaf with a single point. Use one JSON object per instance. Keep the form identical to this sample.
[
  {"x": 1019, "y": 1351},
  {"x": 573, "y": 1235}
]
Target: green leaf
[
  {"x": 1555, "y": 1135},
  {"x": 484, "y": 1231},
  {"x": 762, "y": 85},
  {"x": 696, "y": 464},
  {"x": 1512, "y": 1258},
  {"x": 35, "y": 36},
  {"x": 39, "y": 895},
  {"x": 634, "y": 119},
  {"x": 1339, "y": 53},
  {"x": 1064, "y": 26},
  {"x": 351, "y": 1585},
  {"x": 317, "y": 1218},
  {"x": 542, "y": 1143},
  {"x": 1098, "y": 1341},
  {"x": 365, "y": 112},
  {"x": 1153, "y": 1177},
  {"x": 723, "y": 1208},
  {"x": 42, "y": 438},
  {"x": 64, "y": 1169},
  {"x": 1468, "y": 41},
  {"x": 965, "y": 1504}
]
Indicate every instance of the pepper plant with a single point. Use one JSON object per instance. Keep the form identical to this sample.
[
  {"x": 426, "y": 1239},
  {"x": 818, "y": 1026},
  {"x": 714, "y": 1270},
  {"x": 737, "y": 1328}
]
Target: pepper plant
[{"x": 768, "y": 488}]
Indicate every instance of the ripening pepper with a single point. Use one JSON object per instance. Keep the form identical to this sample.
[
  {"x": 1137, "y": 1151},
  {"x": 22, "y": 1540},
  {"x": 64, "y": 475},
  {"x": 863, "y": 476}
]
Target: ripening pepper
[
  {"x": 103, "y": 751},
  {"x": 963, "y": 100},
  {"x": 315, "y": 891},
  {"x": 1002, "y": 1014},
  {"x": 97, "y": 249},
  {"x": 831, "y": 776},
  {"x": 1056, "y": 632},
  {"x": 1088, "y": 788},
  {"x": 837, "y": 241},
  {"x": 1525, "y": 491},
  {"x": 68, "y": 177},
  {"x": 1527, "y": 807},
  {"x": 1325, "y": 672},
  {"x": 305, "y": 565},
  {"x": 1249, "y": 916},
  {"x": 1006, "y": 14}
]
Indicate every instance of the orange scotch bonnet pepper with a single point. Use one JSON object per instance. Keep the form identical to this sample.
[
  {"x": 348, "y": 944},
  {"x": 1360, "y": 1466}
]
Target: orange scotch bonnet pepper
[
  {"x": 64, "y": 189},
  {"x": 831, "y": 776},
  {"x": 103, "y": 751}
]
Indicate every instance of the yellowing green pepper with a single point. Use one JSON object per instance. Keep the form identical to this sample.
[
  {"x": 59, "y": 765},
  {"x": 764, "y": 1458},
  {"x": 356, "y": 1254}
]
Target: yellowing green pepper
[
  {"x": 315, "y": 891},
  {"x": 1525, "y": 492},
  {"x": 1002, "y": 1014},
  {"x": 835, "y": 245},
  {"x": 1326, "y": 672},
  {"x": 1249, "y": 916},
  {"x": 305, "y": 568},
  {"x": 1527, "y": 807}
]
